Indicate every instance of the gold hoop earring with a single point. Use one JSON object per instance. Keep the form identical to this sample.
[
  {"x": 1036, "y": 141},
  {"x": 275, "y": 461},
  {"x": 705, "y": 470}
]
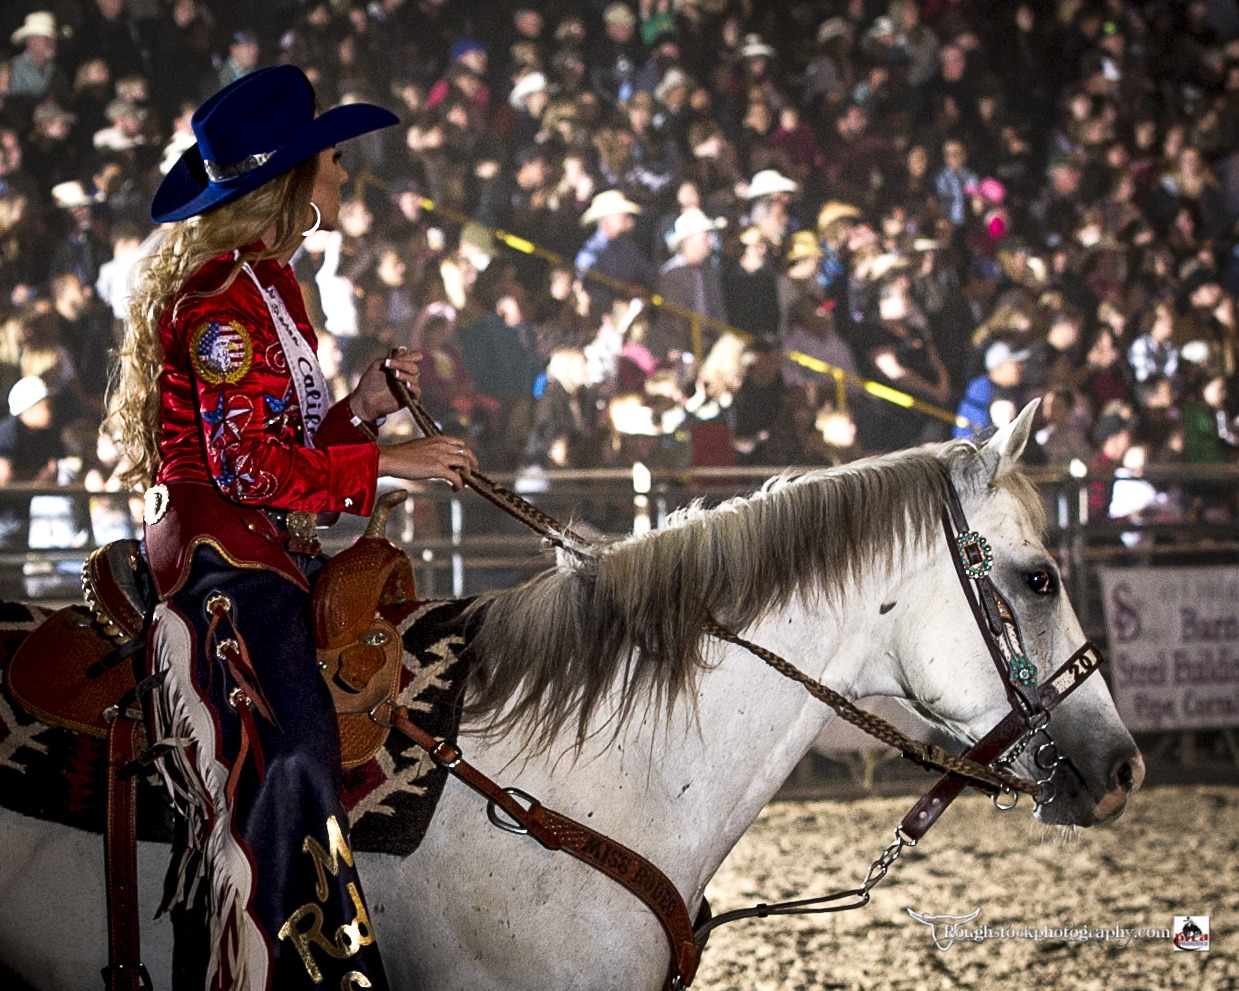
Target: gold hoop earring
[{"x": 318, "y": 220}]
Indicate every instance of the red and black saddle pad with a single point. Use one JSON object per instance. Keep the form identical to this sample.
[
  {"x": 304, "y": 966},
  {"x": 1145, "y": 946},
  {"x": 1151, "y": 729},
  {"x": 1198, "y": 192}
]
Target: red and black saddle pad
[{"x": 57, "y": 774}]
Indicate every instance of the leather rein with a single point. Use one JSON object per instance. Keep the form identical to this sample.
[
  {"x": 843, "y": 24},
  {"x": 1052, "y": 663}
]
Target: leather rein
[{"x": 1025, "y": 725}]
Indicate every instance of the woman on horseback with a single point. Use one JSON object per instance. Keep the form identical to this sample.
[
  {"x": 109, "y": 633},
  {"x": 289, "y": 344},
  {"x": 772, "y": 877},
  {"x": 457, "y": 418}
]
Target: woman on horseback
[{"x": 228, "y": 426}]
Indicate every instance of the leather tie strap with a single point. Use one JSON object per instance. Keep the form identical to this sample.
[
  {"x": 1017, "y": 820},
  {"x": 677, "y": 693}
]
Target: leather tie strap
[
  {"x": 556, "y": 831},
  {"x": 990, "y": 747},
  {"x": 125, "y": 970}
]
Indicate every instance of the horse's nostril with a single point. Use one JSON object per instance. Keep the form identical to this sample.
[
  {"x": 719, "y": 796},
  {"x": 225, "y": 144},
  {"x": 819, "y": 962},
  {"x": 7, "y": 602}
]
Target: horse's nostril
[{"x": 1129, "y": 774}]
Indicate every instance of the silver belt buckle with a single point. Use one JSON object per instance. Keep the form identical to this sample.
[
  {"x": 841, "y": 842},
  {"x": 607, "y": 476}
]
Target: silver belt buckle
[{"x": 302, "y": 532}]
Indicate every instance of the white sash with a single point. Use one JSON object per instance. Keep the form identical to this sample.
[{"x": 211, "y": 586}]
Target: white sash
[{"x": 303, "y": 366}]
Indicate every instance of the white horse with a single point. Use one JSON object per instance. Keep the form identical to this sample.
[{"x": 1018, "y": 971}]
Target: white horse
[{"x": 666, "y": 742}]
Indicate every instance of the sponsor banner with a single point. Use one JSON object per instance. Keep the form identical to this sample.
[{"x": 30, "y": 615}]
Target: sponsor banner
[{"x": 1174, "y": 646}]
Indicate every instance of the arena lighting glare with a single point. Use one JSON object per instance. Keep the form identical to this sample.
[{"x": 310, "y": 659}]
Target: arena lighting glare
[{"x": 641, "y": 479}]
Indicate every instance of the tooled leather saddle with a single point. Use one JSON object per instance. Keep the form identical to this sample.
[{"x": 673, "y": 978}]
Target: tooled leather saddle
[{"x": 70, "y": 672}]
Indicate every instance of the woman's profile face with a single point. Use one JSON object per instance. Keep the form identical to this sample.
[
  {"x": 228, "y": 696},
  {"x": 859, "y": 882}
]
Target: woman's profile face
[{"x": 331, "y": 176}]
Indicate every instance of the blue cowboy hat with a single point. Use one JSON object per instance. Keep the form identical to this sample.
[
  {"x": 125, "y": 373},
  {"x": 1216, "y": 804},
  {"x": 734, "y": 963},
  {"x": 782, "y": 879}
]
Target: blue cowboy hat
[{"x": 251, "y": 131}]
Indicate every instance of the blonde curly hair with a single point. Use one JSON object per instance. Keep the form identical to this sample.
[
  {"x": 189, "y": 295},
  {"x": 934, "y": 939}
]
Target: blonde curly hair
[{"x": 276, "y": 212}]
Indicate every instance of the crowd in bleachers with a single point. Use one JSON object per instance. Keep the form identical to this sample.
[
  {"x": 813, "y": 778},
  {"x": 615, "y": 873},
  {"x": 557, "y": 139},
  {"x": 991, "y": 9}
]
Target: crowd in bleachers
[{"x": 972, "y": 203}]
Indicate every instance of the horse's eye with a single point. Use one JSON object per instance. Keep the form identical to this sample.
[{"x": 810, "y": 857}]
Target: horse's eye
[{"x": 1041, "y": 582}]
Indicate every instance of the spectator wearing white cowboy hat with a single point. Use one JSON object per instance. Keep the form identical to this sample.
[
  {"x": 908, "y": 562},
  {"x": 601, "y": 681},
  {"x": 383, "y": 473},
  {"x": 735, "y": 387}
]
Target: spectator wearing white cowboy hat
[
  {"x": 689, "y": 280},
  {"x": 528, "y": 98},
  {"x": 673, "y": 116},
  {"x": 82, "y": 248},
  {"x": 770, "y": 182},
  {"x": 29, "y": 444},
  {"x": 611, "y": 251},
  {"x": 529, "y": 85},
  {"x": 35, "y": 71},
  {"x": 753, "y": 70},
  {"x": 769, "y": 191}
]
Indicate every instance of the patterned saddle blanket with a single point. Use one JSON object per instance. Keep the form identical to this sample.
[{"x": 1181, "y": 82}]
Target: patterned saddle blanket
[{"x": 58, "y": 776}]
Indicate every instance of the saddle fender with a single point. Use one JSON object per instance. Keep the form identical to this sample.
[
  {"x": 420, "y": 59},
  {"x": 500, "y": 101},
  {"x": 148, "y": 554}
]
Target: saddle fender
[{"x": 359, "y": 598}]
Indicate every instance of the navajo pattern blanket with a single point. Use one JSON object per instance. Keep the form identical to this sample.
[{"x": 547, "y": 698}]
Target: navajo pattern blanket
[{"x": 58, "y": 776}]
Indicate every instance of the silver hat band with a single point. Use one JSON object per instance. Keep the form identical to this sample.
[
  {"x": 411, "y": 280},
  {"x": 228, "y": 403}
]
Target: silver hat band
[{"x": 224, "y": 173}]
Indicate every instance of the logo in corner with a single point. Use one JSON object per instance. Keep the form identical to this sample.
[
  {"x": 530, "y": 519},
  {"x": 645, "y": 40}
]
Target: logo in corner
[
  {"x": 1191, "y": 932},
  {"x": 942, "y": 926}
]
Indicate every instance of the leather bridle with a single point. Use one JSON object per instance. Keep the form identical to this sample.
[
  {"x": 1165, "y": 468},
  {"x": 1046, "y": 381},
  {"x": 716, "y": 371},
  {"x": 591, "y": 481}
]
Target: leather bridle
[{"x": 1026, "y": 724}]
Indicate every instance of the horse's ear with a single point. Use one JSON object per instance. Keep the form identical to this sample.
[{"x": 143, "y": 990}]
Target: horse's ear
[{"x": 1004, "y": 449}]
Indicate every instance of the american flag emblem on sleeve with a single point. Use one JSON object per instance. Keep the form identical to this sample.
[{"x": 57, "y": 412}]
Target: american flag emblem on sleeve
[{"x": 221, "y": 352}]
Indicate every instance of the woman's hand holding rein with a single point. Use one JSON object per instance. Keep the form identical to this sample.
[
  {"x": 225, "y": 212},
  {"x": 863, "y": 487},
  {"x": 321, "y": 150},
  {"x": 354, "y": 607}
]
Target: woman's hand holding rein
[
  {"x": 427, "y": 458},
  {"x": 374, "y": 397}
]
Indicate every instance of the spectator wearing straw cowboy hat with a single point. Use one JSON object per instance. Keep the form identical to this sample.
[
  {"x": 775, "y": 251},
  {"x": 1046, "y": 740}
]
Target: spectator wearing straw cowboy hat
[
  {"x": 227, "y": 422},
  {"x": 35, "y": 72},
  {"x": 82, "y": 249},
  {"x": 798, "y": 276},
  {"x": 689, "y": 280}
]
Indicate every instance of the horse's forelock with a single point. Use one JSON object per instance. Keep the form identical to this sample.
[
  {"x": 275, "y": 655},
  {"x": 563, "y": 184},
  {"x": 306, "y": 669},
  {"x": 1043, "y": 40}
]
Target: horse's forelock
[{"x": 629, "y": 620}]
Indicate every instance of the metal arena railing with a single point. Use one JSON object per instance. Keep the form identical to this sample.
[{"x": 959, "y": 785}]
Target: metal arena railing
[{"x": 461, "y": 545}]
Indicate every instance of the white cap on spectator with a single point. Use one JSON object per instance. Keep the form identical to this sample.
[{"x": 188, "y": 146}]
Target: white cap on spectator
[
  {"x": 26, "y": 393},
  {"x": 692, "y": 221},
  {"x": 769, "y": 181},
  {"x": 72, "y": 193},
  {"x": 754, "y": 47},
  {"x": 673, "y": 78},
  {"x": 1000, "y": 352},
  {"x": 606, "y": 204},
  {"x": 619, "y": 13},
  {"x": 40, "y": 24},
  {"x": 527, "y": 85},
  {"x": 834, "y": 27}
]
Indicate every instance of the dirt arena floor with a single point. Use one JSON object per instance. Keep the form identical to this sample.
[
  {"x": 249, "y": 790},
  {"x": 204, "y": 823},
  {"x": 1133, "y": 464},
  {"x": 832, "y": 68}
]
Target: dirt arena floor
[{"x": 1174, "y": 852}]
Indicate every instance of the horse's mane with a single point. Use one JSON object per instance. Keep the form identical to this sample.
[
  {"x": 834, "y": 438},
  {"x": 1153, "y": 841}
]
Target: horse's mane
[{"x": 629, "y": 620}]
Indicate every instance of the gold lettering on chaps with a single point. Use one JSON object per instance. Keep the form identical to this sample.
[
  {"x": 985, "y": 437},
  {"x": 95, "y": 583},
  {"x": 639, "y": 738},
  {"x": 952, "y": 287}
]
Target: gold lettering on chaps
[
  {"x": 329, "y": 859},
  {"x": 305, "y": 926}
]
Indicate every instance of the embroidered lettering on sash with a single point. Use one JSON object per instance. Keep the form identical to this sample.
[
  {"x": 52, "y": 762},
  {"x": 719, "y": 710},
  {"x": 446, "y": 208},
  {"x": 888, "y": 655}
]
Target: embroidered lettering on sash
[{"x": 312, "y": 393}]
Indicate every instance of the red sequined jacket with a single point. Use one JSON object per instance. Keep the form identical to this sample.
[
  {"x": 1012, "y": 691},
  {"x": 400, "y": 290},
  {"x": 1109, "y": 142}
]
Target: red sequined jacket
[{"x": 232, "y": 435}]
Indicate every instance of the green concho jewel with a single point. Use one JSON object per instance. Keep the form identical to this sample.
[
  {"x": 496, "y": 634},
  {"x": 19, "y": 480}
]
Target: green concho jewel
[
  {"x": 975, "y": 554},
  {"x": 1023, "y": 670}
]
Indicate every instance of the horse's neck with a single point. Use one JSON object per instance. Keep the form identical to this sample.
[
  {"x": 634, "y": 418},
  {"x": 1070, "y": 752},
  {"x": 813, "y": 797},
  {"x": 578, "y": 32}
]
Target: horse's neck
[{"x": 682, "y": 791}]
